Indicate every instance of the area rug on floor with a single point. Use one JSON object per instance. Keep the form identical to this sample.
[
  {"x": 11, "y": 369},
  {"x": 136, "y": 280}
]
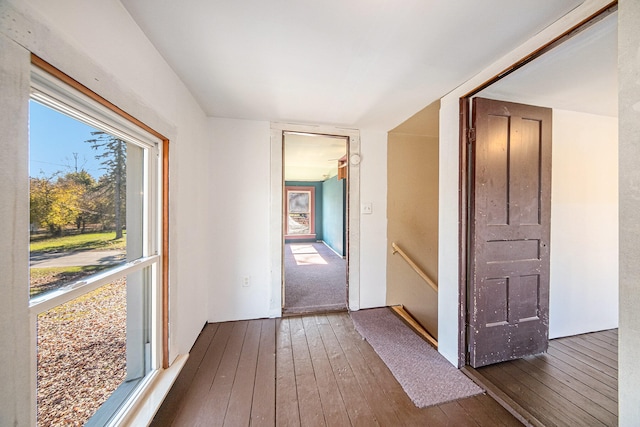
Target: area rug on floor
[
  {"x": 424, "y": 374},
  {"x": 315, "y": 278}
]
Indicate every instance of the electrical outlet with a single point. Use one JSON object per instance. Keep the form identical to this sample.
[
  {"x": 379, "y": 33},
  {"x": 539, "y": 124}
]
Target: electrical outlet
[
  {"x": 246, "y": 281},
  {"x": 366, "y": 208}
]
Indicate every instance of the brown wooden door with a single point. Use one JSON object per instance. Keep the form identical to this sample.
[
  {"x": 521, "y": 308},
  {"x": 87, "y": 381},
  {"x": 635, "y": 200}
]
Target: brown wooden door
[{"x": 508, "y": 298}]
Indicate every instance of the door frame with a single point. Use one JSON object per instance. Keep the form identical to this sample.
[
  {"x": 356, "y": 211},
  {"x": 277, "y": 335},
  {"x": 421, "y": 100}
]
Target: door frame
[
  {"x": 276, "y": 236},
  {"x": 465, "y": 175}
]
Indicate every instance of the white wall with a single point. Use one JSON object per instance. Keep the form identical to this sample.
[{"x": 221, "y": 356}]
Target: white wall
[
  {"x": 448, "y": 218},
  {"x": 629, "y": 158},
  {"x": 448, "y": 249},
  {"x": 242, "y": 234},
  {"x": 15, "y": 366},
  {"x": 584, "y": 224},
  {"x": 239, "y": 214},
  {"x": 373, "y": 227}
]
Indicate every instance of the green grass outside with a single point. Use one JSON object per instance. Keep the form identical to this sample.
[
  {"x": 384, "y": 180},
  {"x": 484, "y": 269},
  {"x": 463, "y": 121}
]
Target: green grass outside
[
  {"x": 50, "y": 278},
  {"x": 38, "y": 273},
  {"x": 77, "y": 242}
]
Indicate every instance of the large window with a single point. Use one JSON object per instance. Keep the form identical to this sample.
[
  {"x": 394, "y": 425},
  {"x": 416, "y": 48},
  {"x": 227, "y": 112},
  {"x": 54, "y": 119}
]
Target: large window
[{"x": 95, "y": 256}]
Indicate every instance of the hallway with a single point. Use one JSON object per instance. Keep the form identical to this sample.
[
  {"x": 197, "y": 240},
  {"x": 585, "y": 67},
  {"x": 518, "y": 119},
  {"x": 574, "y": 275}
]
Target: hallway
[{"x": 315, "y": 279}]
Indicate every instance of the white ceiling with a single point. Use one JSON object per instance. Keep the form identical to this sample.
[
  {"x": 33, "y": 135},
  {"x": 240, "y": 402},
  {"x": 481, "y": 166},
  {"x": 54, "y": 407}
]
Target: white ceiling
[
  {"x": 581, "y": 74},
  {"x": 357, "y": 63},
  {"x": 312, "y": 157}
]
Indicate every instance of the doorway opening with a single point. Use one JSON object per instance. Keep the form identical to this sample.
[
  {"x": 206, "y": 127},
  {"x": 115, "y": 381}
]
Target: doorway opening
[{"x": 315, "y": 223}]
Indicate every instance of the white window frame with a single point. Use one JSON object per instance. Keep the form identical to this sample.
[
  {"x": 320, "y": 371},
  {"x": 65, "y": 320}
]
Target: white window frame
[{"x": 52, "y": 92}]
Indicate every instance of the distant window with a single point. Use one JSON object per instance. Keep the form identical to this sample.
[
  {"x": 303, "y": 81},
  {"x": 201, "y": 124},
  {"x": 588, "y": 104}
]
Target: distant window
[
  {"x": 94, "y": 254},
  {"x": 300, "y": 218}
]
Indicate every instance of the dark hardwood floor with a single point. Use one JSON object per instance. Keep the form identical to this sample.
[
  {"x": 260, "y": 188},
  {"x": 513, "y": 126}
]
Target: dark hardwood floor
[
  {"x": 316, "y": 370},
  {"x": 302, "y": 371},
  {"x": 574, "y": 384}
]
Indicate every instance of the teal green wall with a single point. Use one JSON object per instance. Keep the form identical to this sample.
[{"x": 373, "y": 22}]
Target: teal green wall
[{"x": 333, "y": 196}]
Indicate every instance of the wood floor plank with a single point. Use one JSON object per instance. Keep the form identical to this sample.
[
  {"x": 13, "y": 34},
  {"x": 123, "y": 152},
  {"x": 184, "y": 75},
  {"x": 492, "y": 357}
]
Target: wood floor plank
[
  {"x": 558, "y": 363},
  {"x": 537, "y": 406},
  {"x": 213, "y": 411},
  {"x": 595, "y": 391},
  {"x": 573, "y": 392},
  {"x": 241, "y": 398},
  {"x": 553, "y": 398},
  {"x": 604, "y": 354},
  {"x": 171, "y": 405},
  {"x": 485, "y": 416},
  {"x": 492, "y": 410},
  {"x": 373, "y": 392},
  {"x": 360, "y": 414},
  {"x": 598, "y": 339},
  {"x": 263, "y": 407},
  {"x": 587, "y": 369},
  {"x": 431, "y": 416},
  {"x": 472, "y": 405},
  {"x": 196, "y": 396},
  {"x": 287, "y": 413},
  {"x": 457, "y": 415},
  {"x": 309, "y": 403},
  {"x": 605, "y": 337},
  {"x": 333, "y": 407},
  {"x": 586, "y": 357},
  {"x": 409, "y": 414},
  {"x": 502, "y": 396}
]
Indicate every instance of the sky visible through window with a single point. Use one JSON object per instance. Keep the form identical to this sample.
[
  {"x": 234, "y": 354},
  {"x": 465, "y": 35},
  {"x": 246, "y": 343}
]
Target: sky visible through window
[{"x": 53, "y": 140}]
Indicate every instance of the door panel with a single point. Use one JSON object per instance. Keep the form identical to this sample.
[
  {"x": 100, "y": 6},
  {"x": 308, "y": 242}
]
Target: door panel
[{"x": 509, "y": 225}]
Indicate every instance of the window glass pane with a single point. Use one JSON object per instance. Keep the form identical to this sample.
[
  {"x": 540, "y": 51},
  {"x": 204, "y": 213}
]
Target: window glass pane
[
  {"x": 299, "y": 223},
  {"x": 299, "y": 212},
  {"x": 81, "y": 355},
  {"x": 86, "y": 200},
  {"x": 299, "y": 201},
  {"x": 93, "y": 351}
]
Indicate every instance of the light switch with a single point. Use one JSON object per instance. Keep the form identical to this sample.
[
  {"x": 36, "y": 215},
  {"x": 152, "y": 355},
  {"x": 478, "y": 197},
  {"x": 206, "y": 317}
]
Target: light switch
[{"x": 367, "y": 208}]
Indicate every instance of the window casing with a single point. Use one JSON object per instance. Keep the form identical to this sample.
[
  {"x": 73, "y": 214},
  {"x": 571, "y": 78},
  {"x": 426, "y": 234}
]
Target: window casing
[
  {"x": 140, "y": 270},
  {"x": 300, "y": 213}
]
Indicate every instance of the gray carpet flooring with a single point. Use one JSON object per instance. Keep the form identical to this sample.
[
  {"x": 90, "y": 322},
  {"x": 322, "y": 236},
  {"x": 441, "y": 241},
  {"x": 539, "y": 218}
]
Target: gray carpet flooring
[
  {"x": 315, "y": 279},
  {"x": 425, "y": 375}
]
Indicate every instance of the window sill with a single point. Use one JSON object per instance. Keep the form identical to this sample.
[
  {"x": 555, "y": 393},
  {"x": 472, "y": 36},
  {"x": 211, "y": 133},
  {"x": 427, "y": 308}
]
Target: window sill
[
  {"x": 299, "y": 236},
  {"x": 142, "y": 409}
]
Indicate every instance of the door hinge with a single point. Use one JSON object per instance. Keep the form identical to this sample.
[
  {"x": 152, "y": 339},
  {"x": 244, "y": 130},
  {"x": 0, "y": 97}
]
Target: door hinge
[{"x": 471, "y": 135}]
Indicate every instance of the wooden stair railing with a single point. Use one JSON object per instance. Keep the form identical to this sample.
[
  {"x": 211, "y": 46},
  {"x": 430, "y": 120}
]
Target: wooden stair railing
[
  {"x": 422, "y": 274},
  {"x": 400, "y": 310},
  {"x": 413, "y": 324}
]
